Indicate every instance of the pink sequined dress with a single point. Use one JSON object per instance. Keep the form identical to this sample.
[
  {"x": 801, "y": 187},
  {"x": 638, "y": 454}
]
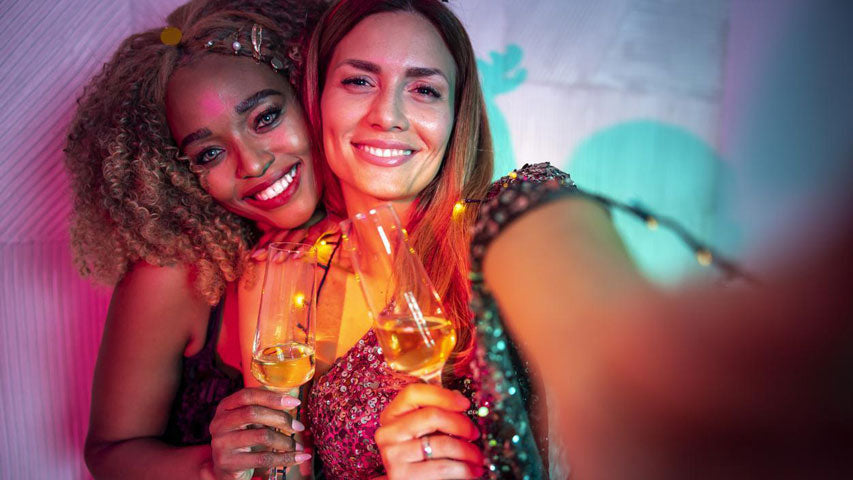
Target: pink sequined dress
[
  {"x": 344, "y": 407},
  {"x": 345, "y": 403}
]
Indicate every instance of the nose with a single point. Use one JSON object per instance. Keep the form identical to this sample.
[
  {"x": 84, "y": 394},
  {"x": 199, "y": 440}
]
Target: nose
[
  {"x": 387, "y": 111},
  {"x": 253, "y": 163}
]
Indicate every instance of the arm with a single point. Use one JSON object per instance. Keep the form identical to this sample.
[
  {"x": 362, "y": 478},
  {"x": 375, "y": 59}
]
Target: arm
[
  {"x": 154, "y": 317},
  {"x": 654, "y": 386}
]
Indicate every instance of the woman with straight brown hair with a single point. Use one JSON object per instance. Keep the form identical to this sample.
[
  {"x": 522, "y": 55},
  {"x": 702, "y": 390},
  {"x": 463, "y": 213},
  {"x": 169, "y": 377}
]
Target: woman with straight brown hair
[{"x": 391, "y": 87}]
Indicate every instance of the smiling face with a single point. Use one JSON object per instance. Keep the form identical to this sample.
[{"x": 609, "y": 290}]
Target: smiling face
[
  {"x": 241, "y": 124},
  {"x": 387, "y": 109}
]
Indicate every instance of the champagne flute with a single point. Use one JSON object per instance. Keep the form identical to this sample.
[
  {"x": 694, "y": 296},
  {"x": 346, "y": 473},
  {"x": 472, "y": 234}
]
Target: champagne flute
[
  {"x": 410, "y": 323},
  {"x": 283, "y": 349}
]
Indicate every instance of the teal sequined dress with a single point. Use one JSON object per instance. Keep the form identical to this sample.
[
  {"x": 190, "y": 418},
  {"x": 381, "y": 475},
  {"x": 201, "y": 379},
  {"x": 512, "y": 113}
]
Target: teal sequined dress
[{"x": 505, "y": 405}]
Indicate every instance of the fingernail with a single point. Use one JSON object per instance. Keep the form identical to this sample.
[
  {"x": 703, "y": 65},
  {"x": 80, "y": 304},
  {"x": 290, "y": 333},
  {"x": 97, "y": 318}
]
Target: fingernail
[
  {"x": 299, "y": 447},
  {"x": 301, "y": 457},
  {"x": 257, "y": 254},
  {"x": 297, "y": 425},
  {"x": 289, "y": 402}
]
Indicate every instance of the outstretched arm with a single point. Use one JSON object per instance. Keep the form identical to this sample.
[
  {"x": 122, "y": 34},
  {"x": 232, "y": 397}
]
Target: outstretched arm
[{"x": 705, "y": 382}]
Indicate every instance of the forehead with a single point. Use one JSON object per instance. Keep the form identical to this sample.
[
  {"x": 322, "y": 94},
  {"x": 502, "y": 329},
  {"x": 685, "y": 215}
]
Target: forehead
[
  {"x": 404, "y": 39},
  {"x": 211, "y": 86}
]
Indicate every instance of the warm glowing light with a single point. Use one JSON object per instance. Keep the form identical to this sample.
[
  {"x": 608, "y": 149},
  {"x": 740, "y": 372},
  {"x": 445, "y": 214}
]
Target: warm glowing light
[
  {"x": 704, "y": 257},
  {"x": 299, "y": 300},
  {"x": 652, "y": 223},
  {"x": 513, "y": 174},
  {"x": 324, "y": 250},
  {"x": 458, "y": 209}
]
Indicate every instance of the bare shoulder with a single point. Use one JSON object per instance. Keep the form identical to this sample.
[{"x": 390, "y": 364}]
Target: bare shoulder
[
  {"x": 160, "y": 304},
  {"x": 154, "y": 319}
]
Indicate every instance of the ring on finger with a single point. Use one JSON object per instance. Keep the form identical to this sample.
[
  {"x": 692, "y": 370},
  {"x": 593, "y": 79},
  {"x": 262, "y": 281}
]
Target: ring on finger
[{"x": 426, "y": 448}]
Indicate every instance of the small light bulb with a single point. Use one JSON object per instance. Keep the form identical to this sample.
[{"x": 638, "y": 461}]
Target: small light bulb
[
  {"x": 704, "y": 257},
  {"x": 652, "y": 223},
  {"x": 299, "y": 300},
  {"x": 458, "y": 209}
]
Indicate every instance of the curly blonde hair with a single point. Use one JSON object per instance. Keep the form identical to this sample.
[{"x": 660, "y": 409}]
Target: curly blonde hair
[{"x": 135, "y": 197}]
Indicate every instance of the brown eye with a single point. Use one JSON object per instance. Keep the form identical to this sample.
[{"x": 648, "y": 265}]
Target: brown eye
[
  {"x": 267, "y": 118},
  {"x": 207, "y": 156}
]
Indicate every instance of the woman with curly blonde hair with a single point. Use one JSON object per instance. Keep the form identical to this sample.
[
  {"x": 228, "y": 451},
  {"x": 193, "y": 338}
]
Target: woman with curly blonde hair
[{"x": 185, "y": 149}]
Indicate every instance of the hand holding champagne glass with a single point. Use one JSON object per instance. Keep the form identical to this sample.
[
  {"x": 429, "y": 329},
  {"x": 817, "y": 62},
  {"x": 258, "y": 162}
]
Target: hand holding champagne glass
[
  {"x": 410, "y": 323},
  {"x": 283, "y": 349}
]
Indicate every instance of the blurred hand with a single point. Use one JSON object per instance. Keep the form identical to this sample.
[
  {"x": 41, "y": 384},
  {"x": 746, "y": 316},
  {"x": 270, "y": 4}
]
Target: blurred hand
[
  {"x": 424, "y": 418},
  {"x": 329, "y": 224},
  {"x": 244, "y": 436}
]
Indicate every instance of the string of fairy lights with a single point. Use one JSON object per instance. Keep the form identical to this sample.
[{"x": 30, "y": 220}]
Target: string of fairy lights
[{"x": 705, "y": 255}]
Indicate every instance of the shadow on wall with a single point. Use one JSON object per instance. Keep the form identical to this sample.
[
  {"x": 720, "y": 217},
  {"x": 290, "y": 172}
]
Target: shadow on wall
[{"x": 670, "y": 172}]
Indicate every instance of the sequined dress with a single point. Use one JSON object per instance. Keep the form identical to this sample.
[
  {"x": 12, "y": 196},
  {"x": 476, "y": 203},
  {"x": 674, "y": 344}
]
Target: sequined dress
[
  {"x": 344, "y": 404},
  {"x": 506, "y": 416},
  {"x": 344, "y": 407}
]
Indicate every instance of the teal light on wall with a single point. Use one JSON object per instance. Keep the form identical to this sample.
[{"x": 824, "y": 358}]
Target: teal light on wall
[
  {"x": 502, "y": 74},
  {"x": 669, "y": 171}
]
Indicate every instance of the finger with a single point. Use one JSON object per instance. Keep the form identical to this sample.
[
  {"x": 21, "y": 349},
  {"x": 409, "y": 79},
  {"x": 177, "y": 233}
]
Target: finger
[
  {"x": 250, "y": 416},
  {"x": 259, "y": 255},
  {"x": 259, "y": 396},
  {"x": 438, "y": 469},
  {"x": 443, "y": 446},
  {"x": 246, "y": 461},
  {"x": 424, "y": 421},
  {"x": 298, "y": 236},
  {"x": 419, "y": 395},
  {"x": 252, "y": 439}
]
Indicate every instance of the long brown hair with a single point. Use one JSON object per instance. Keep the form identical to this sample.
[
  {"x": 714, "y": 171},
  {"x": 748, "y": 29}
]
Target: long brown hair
[
  {"x": 135, "y": 197},
  {"x": 440, "y": 237}
]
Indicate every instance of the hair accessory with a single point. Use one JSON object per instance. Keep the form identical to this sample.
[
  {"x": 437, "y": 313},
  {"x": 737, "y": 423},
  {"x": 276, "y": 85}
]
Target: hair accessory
[
  {"x": 257, "y": 39},
  {"x": 171, "y": 36}
]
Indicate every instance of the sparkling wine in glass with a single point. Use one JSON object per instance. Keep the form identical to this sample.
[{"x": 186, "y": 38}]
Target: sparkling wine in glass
[
  {"x": 408, "y": 318},
  {"x": 283, "y": 349}
]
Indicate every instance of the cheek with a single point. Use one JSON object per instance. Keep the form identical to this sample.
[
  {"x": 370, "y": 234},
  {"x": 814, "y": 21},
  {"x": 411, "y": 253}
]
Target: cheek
[
  {"x": 213, "y": 183},
  {"x": 339, "y": 115}
]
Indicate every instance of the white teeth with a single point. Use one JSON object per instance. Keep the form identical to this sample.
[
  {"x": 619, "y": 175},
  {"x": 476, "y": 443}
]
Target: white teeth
[
  {"x": 276, "y": 188},
  {"x": 385, "y": 152}
]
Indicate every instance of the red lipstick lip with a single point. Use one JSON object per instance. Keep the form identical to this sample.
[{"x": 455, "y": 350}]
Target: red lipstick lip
[
  {"x": 383, "y": 161},
  {"x": 265, "y": 184},
  {"x": 280, "y": 199}
]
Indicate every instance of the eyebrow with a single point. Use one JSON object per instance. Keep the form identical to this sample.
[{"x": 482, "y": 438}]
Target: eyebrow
[
  {"x": 240, "y": 109},
  {"x": 250, "y": 102},
  {"x": 411, "y": 72},
  {"x": 194, "y": 137}
]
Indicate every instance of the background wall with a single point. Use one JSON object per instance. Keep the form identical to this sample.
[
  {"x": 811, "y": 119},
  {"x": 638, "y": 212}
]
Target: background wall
[{"x": 704, "y": 111}]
